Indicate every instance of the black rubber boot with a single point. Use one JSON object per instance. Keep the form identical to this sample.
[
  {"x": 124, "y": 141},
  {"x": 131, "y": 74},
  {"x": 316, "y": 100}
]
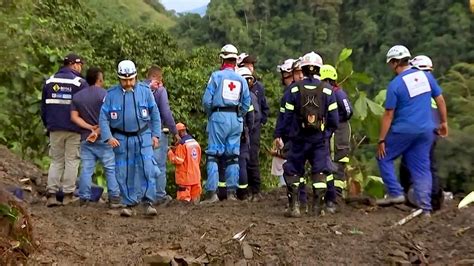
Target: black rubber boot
[{"x": 294, "y": 204}]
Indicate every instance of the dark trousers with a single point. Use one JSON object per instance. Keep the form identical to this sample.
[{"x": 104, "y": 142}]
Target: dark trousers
[{"x": 253, "y": 165}]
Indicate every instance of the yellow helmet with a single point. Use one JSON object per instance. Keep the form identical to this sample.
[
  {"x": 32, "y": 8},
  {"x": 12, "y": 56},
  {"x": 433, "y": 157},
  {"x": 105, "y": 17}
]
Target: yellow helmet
[{"x": 328, "y": 72}]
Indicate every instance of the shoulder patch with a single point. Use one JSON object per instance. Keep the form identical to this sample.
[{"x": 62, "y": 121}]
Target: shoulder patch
[{"x": 327, "y": 91}]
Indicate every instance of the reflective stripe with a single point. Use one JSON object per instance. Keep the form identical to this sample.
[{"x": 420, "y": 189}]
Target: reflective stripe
[
  {"x": 76, "y": 81},
  {"x": 327, "y": 91},
  {"x": 320, "y": 185},
  {"x": 322, "y": 127},
  {"x": 344, "y": 160},
  {"x": 294, "y": 89},
  {"x": 332, "y": 106},
  {"x": 329, "y": 178},
  {"x": 243, "y": 186},
  {"x": 221, "y": 184},
  {"x": 303, "y": 180},
  {"x": 310, "y": 87},
  {"x": 289, "y": 106},
  {"x": 296, "y": 184},
  {"x": 340, "y": 184},
  {"x": 251, "y": 108},
  {"x": 282, "y": 109},
  {"x": 57, "y": 101},
  {"x": 433, "y": 104}
]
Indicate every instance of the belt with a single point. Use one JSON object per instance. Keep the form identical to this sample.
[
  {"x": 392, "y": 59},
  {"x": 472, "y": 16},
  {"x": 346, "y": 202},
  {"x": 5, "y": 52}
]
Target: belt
[
  {"x": 129, "y": 134},
  {"x": 233, "y": 109}
]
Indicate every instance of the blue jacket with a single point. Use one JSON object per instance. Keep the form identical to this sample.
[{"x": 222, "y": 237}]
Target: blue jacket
[
  {"x": 56, "y": 99},
  {"x": 129, "y": 111},
  {"x": 161, "y": 99},
  {"x": 226, "y": 89},
  {"x": 291, "y": 124},
  {"x": 279, "y": 128},
  {"x": 344, "y": 105},
  {"x": 259, "y": 90}
]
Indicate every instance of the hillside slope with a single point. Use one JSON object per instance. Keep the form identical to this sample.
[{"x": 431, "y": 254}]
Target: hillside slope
[{"x": 136, "y": 10}]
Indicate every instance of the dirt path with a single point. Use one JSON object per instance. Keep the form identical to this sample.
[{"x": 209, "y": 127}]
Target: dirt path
[{"x": 74, "y": 235}]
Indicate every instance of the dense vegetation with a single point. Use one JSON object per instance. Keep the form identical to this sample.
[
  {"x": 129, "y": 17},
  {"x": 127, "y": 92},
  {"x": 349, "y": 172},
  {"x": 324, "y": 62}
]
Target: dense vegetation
[{"x": 36, "y": 34}]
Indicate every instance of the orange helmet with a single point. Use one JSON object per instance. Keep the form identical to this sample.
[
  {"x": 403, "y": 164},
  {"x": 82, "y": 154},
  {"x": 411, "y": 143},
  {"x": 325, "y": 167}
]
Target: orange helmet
[{"x": 180, "y": 126}]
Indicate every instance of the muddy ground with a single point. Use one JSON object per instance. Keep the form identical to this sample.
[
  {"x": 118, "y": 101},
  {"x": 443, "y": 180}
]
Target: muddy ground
[{"x": 358, "y": 234}]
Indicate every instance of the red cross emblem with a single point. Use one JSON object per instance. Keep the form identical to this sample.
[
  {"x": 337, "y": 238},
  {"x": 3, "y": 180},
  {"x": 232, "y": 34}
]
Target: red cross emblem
[{"x": 231, "y": 86}]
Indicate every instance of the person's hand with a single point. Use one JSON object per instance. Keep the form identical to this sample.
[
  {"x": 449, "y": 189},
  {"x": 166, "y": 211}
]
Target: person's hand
[
  {"x": 381, "y": 150},
  {"x": 156, "y": 142},
  {"x": 278, "y": 143},
  {"x": 443, "y": 130},
  {"x": 113, "y": 142}
]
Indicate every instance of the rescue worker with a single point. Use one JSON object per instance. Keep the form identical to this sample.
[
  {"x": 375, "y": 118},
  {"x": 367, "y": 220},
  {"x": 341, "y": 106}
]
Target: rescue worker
[
  {"x": 290, "y": 72},
  {"x": 85, "y": 111},
  {"x": 309, "y": 118},
  {"x": 424, "y": 63},
  {"x": 226, "y": 100},
  {"x": 253, "y": 166},
  {"x": 407, "y": 128},
  {"x": 340, "y": 141},
  {"x": 251, "y": 118},
  {"x": 168, "y": 125},
  {"x": 130, "y": 123},
  {"x": 64, "y": 135},
  {"x": 186, "y": 156}
]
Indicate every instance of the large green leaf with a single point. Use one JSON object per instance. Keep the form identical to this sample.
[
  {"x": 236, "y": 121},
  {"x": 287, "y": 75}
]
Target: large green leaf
[
  {"x": 360, "y": 106},
  {"x": 375, "y": 108},
  {"x": 344, "y": 55}
]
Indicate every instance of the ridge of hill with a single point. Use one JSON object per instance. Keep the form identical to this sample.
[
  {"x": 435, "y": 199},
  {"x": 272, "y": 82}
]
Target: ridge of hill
[{"x": 138, "y": 11}]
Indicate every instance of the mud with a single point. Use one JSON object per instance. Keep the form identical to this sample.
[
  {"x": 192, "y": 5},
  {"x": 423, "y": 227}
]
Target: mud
[{"x": 192, "y": 235}]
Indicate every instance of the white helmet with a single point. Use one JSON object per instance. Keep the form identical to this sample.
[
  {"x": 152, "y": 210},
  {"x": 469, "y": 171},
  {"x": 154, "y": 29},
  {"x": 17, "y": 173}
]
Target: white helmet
[
  {"x": 287, "y": 66},
  {"x": 228, "y": 51},
  {"x": 241, "y": 58},
  {"x": 126, "y": 70},
  {"x": 422, "y": 62},
  {"x": 244, "y": 72},
  {"x": 398, "y": 52},
  {"x": 311, "y": 59}
]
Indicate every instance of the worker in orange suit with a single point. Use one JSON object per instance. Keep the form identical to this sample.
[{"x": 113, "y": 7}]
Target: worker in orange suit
[{"x": 187, "y": 156}]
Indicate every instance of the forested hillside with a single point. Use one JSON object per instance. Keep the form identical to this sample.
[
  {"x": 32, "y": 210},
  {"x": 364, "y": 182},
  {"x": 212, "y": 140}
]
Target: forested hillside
[{"x": 36, "y": 34}]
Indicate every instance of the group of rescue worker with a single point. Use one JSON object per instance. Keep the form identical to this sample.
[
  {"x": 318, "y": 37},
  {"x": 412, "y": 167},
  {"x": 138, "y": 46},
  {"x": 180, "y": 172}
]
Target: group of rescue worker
[{"x": 127, "y": 128}]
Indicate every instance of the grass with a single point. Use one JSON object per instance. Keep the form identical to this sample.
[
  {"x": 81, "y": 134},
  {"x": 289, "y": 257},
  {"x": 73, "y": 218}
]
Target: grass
[{"x": 136, "y": 11}]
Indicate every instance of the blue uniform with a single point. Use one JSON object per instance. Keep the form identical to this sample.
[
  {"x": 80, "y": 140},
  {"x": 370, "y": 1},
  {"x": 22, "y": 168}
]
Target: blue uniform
[
  {"x": 132, "y": 117},
  {"x": 307, "y": 145},
  {"x": 411, "y": 132},
  {"x": 226, "y": 100},
  {"x": 405, "y": 176},
  {"x": 56, "y": 100}
]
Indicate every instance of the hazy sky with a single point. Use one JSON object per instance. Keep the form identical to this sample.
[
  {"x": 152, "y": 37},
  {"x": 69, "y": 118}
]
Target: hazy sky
[{"x": 183, "y": 5}]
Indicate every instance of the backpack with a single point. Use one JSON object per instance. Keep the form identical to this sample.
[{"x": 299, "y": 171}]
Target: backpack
[{"x": 312, "y": 108}]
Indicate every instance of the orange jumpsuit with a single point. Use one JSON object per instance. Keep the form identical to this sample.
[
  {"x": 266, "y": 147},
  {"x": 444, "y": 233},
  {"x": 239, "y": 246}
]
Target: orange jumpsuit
[{"x": 187, "y": 157}]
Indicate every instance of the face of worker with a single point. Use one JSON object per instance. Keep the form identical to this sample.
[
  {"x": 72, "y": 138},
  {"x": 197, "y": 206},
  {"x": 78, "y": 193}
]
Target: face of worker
[
  {"x": 100, "y": 80},
  {"x": 298, "y": 75},
  {"x": 182, "y": 133},
  {"x": 77, "y": 67},
  {"x": 249, "y": 66},
  {"x": 287, "y": 78},
  {"x": 128, "y": 84},
  {"x": 249, "y": 82},
  {"x": 393, "y": 65}
]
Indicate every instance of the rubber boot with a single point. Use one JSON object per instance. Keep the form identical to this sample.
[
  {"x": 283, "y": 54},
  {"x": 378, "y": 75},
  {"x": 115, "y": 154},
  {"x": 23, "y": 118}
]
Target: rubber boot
[
  {"x": 231, "y": 195},
  {"x": 294, "y": 204},
  {"x": 210, "y": 198},
  {"x": 318, "y": 200}
]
